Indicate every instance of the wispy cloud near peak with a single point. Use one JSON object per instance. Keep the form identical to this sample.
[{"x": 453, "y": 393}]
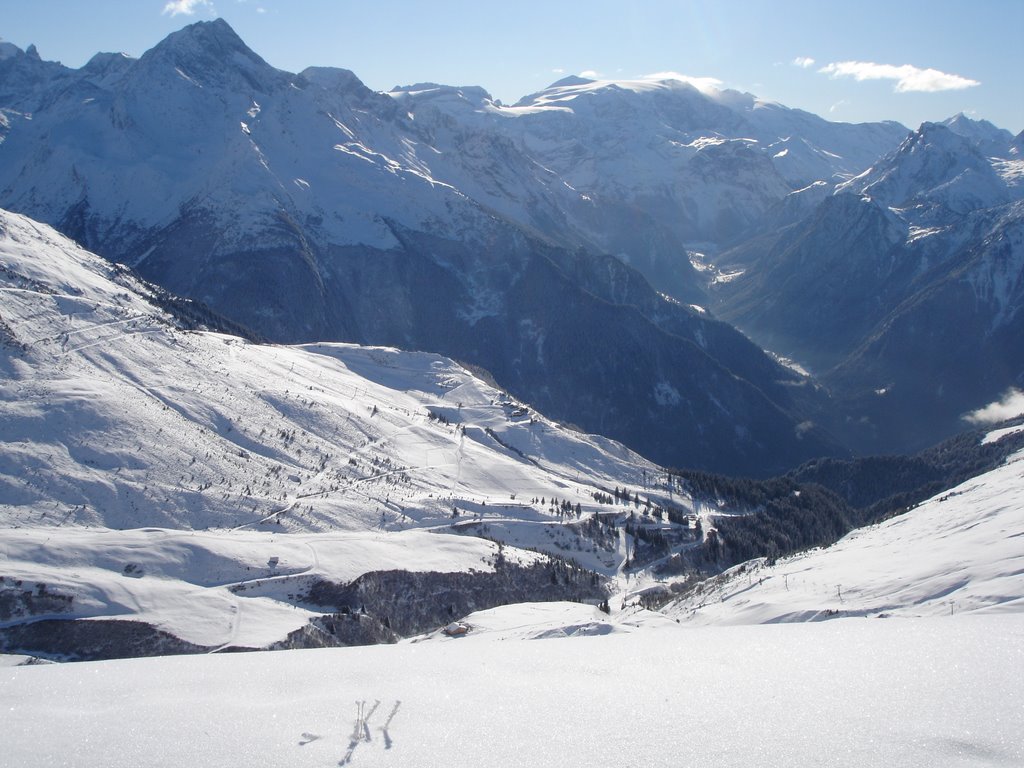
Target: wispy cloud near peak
[{"x": 700, "y": 83}]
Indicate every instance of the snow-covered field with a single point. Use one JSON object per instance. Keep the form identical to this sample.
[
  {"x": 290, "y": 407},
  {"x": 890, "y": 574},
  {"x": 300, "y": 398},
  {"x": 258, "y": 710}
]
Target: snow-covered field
[
  {"x": 218, "y": 589},
  {"x": 852, "y": 692}
]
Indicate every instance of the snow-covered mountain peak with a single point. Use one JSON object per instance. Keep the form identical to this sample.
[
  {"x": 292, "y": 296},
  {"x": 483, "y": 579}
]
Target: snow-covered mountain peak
[
  {"x": 22, "y": 73},
  {"x": 209, "y": 53},
  {"x": 709, "y": 106},
  {"x": 215, "y": 35},
  {"x": 9, "y": 50},
  {"x": 570, "y": 89},
  {"x": 934, "y": 166},
  {"x": 935, "y": 136},
  {"x": 448, "y": 97},
  {"x": 571, "y": 80},
  {"x": 104, "y": 68},
  {"x": 988, "y": 138},
  {"x": 104, "y": 61}
]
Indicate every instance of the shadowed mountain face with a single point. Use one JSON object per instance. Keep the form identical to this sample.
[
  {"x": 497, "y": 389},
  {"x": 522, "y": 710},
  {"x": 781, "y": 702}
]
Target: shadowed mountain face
[
  {"x": 310, "y": 208},
  {"x": 904, "y": 291}
]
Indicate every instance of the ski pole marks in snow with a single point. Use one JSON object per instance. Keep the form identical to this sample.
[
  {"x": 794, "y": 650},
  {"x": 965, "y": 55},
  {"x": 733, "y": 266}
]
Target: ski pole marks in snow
[
  {"x": 387, "y": 724},
  {"x": 361, "y": 729}
]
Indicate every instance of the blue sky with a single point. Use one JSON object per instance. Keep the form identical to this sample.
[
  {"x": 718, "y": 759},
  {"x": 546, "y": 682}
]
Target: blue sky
[{"x": 849, "y": 60}]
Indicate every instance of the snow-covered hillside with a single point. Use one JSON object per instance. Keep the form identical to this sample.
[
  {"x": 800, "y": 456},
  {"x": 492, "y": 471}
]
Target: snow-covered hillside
[
  {"x": 115, "y": 417},
  {"x": 960, "y": 552},
  {"x": 224, "y": 494},
  {"x": 156, "y": 474},
  {"x": 943, "y": 171}
]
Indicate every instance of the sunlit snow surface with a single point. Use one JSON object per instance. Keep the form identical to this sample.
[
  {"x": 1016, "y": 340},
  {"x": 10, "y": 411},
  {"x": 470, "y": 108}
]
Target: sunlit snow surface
[
  {"x": 114, "y": 418},
  {"x": 961, "y": 551},
  {"x": 198, "y": 482},
  {"x": 854, "y": 692},
  {"x": 219, "y": 588}
]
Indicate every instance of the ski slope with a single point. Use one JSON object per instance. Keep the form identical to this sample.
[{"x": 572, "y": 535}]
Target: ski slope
[
  {"x": 220, "y": 589},
  {"x": 959, "y": 552},
  {"x": 115, "y": 418},
  {"x": 201, "y": 483}
]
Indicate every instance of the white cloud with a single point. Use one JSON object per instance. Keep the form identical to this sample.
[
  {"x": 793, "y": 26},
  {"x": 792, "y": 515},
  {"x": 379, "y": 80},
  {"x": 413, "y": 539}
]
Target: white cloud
[
  {"x": 700, "y": 83},
  {"x": 838, "y": 105},
  {"x": 1009, "y": 406},
  {"x": 558, "y": 71},
  {"x": 187, "y": 7},
  {"x": 908, "y": 78},
  {"x": 803, "y": 61},
  {"x": 590, "y": 74}
]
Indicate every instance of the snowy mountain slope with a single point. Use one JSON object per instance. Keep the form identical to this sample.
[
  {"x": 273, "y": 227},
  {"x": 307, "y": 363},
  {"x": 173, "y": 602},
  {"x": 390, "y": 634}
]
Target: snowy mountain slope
[
  {"x": 88, "y": 360},
  {"x": 709, "y": 113},
  {"x": 100, "y": 383},
  {"x": 895, "y": 286},
  {"x": 937, "y": 172},
  {"x": 145, "y": 468},
  {"x": 960, "y": 546},
  {"x": 990, "y": 140},
  {"x": 643, "y": 169},
  {"x": 944, "y": 692},
  {"x": 309, "y": 208},
  {"x": 959, "y": 552},
  {"x": 213, "y": 589}
]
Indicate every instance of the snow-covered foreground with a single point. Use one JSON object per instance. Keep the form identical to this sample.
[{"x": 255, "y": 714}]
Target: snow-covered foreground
[{"x": 854, "y": 692}]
